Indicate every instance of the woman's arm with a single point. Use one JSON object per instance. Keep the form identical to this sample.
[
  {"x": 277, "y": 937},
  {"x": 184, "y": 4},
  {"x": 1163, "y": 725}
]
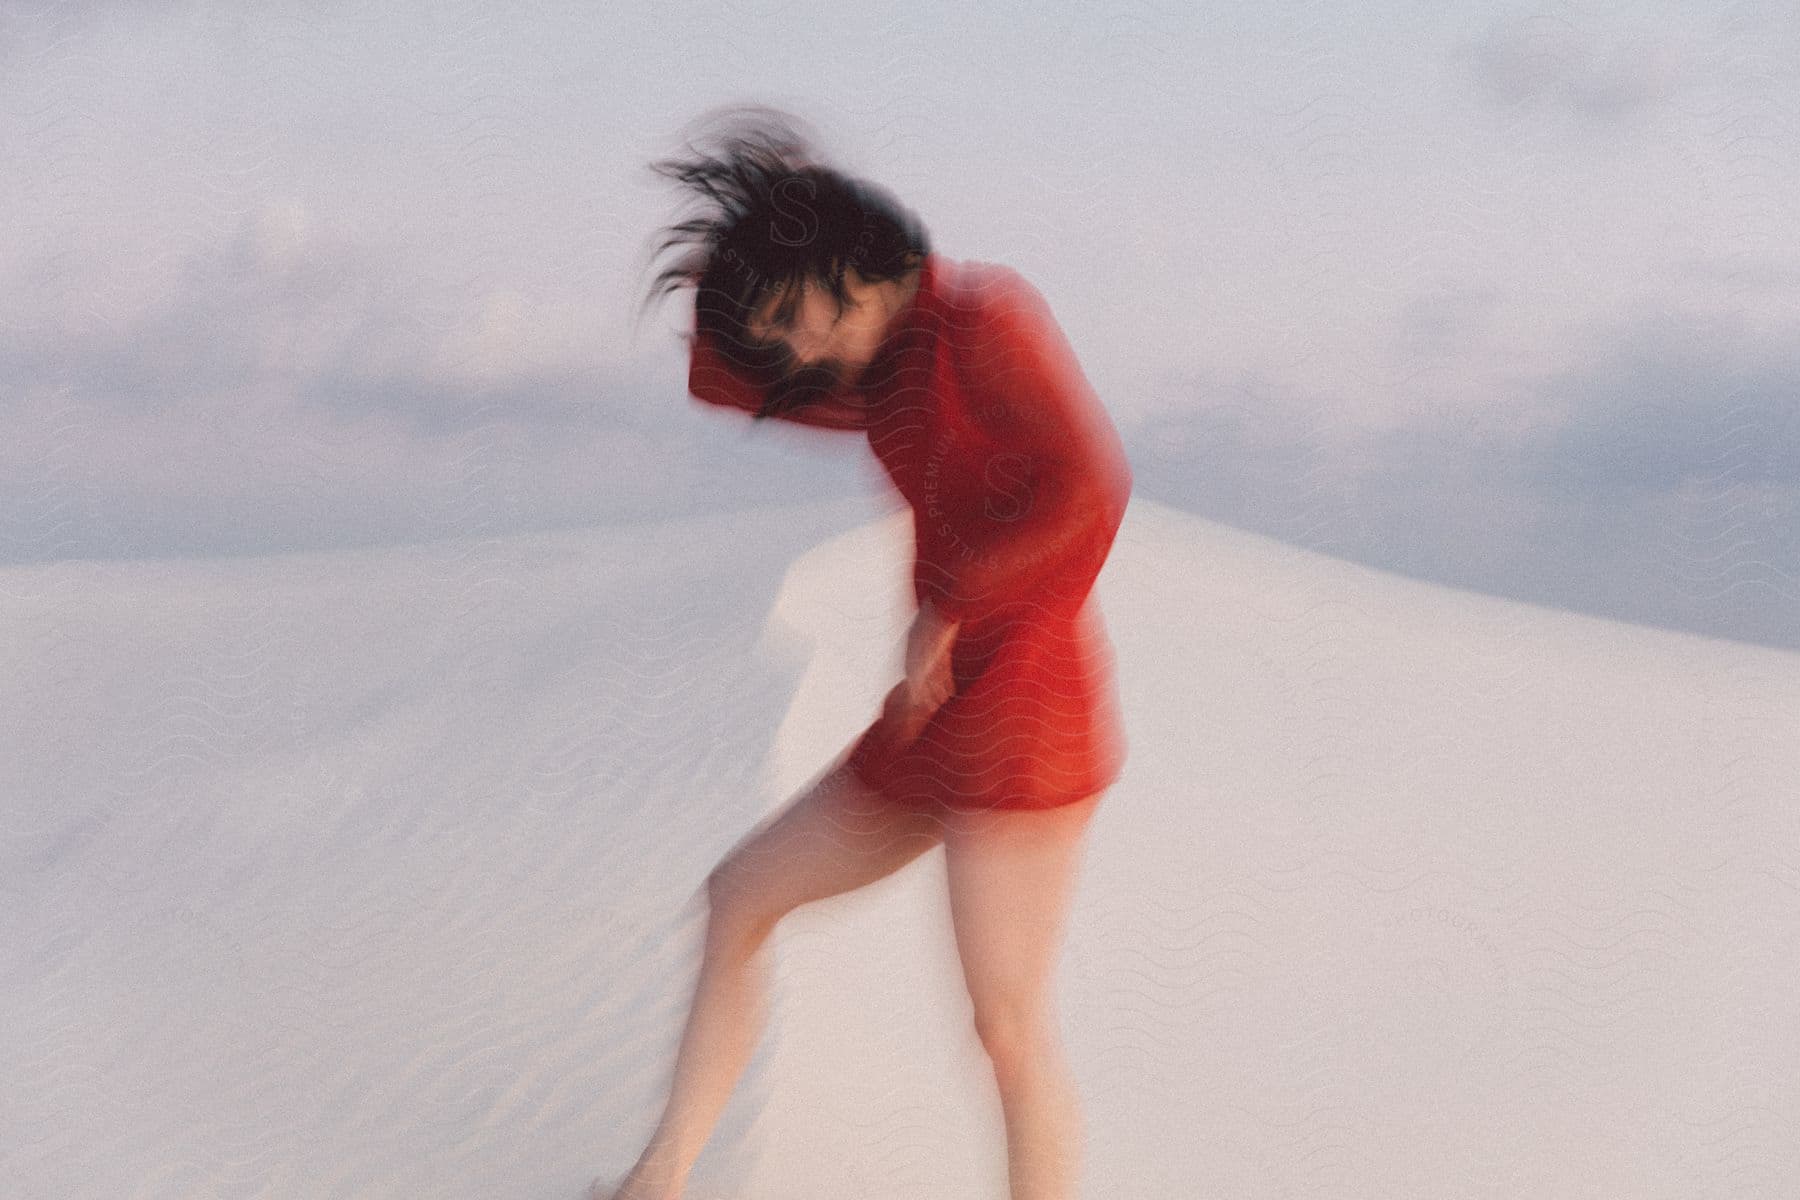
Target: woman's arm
[
  {"x": 928, "y": 680},
  {"x": 1056, "y": 482},
  {"x": 715, "y": 378}
]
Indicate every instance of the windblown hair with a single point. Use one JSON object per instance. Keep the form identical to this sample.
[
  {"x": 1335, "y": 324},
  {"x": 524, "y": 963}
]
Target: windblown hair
[{"x": 772, "y": 215}]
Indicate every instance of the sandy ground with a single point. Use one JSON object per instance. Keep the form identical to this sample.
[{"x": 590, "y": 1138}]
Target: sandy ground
[{"x": 372, "y": 874}]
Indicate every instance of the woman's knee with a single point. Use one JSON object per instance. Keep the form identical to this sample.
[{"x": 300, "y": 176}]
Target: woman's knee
[{"x": 1015, "y": 1033}]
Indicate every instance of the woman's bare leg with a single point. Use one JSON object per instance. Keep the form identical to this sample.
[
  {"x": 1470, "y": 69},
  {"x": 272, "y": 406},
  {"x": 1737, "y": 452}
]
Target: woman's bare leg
[
  {"x": 835, "y": 836},
  {"x": 1012, "y": 877}
]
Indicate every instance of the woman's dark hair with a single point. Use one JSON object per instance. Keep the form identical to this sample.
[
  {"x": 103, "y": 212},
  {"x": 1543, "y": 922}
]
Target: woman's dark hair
[{"x": 772, "y": 215}]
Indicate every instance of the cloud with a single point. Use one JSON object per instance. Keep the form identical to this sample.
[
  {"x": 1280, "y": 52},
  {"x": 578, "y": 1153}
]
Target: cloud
[
  {"x": 1446, "y": 323},
  {"x": 290, "y": 385},
  {"x": 288, "y": 312},
  {"x": 1656, "y": 480},
  {"x": 1669, "y": 400},
  {"x": 1543, "y": 61}
]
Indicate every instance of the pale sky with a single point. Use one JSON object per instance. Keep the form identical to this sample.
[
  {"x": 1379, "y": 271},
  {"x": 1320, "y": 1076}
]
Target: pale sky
[{"x": 1502, "y": 296}]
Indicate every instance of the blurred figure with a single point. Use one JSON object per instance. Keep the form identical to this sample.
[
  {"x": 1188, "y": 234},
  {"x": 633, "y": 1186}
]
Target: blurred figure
[{"x": 819, "y": 299}]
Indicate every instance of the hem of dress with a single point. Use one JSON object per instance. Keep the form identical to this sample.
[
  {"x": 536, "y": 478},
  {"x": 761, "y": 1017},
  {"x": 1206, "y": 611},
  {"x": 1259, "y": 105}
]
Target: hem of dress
[
  {"x": 922, "y": 801},
  {"x": 861, "y": 760}
]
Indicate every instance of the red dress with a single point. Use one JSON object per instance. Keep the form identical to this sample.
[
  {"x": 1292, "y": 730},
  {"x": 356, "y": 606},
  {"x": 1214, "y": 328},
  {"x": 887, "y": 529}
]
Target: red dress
[{"x": 978, "y": 411}]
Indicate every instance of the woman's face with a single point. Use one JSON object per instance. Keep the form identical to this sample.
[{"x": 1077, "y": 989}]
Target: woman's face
[{"x": 823, "y": 341}]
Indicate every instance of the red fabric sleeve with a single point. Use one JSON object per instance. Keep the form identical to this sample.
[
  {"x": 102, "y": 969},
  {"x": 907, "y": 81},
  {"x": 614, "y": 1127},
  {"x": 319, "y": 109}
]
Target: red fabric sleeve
[
  {"x": 714, "y": 378},
  {"x": 1056, "y": 480}
]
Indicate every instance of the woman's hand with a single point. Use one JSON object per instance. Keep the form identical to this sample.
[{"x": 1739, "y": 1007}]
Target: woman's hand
[
  {"x": 928, "y": 645},
  {"x": 928, "y": 681},
  {"x": 899, "y": 710}
]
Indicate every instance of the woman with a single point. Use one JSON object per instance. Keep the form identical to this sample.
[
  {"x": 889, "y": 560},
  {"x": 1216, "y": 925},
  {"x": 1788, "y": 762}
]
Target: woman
[{"x": 819, "y": 300}]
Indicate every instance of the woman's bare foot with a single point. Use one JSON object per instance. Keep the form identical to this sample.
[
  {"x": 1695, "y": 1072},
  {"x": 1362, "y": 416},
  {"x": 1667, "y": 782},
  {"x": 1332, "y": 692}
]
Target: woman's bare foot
[{"x": 635, "y": 1184}]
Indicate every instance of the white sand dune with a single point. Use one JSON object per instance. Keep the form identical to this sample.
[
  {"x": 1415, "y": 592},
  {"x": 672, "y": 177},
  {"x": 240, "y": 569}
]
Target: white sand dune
[{"x": 372, "y": 874}]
